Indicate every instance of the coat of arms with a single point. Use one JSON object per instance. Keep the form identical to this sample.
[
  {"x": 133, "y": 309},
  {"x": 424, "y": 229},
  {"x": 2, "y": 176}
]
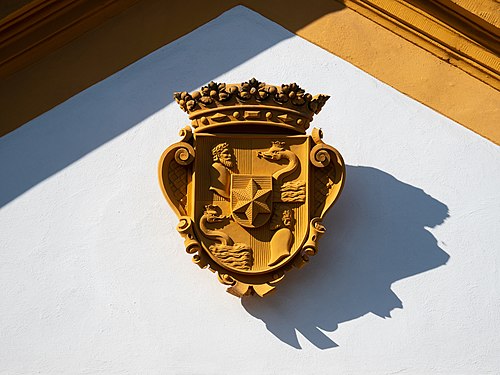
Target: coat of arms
[{"x": 249, "y": 186}]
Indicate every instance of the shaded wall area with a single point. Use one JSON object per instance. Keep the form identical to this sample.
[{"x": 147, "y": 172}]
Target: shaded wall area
[
  {"x": 132, "y": 34},
  {"x": 377, "y": 234}
]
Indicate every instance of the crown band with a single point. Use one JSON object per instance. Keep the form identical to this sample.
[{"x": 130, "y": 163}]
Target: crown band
[
  {"x": 248, "y": 108},
  {"x": 224, "y": 126}
]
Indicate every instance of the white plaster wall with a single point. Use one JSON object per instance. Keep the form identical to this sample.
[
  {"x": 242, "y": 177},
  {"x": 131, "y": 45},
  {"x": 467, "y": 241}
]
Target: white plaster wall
[{"x": 94, "y": 278}]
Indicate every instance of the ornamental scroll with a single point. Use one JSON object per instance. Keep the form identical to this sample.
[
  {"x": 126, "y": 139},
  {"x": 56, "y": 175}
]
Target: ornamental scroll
[{"x": 249, "y": 186}]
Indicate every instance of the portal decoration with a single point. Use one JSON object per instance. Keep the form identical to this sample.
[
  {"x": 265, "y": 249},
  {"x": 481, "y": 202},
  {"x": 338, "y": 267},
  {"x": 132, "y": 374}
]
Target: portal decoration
[{"x": 249, "y": 186}]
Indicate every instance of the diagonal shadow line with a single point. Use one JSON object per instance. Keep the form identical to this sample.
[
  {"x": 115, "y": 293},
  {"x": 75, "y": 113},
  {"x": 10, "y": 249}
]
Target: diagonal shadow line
[
  {"x": 376, "y": 235},
  {"x": 56, "y": 139}
]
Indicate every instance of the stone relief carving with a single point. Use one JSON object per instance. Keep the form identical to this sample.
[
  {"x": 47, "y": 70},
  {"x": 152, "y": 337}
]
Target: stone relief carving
[
  {"x": 249, "y": 186},
  {"x": 236, "y": 255},
  {"x": 222, "y": 168}
]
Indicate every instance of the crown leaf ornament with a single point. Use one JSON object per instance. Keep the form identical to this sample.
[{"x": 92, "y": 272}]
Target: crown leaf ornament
[
  {"x": 250, "y": 103},
  {"x": 249, "y": 186}
]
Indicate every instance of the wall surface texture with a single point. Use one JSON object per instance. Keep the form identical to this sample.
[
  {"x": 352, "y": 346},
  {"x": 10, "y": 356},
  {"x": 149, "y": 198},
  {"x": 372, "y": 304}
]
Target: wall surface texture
[{"x": 95, "y": 279}]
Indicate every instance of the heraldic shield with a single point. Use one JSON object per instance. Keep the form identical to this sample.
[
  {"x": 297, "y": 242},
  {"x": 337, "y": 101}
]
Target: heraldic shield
[{"x": 249, "y": 186}]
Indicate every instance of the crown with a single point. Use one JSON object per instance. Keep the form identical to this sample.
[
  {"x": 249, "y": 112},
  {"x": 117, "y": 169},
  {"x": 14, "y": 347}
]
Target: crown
[{"x": 250, "y": 103}]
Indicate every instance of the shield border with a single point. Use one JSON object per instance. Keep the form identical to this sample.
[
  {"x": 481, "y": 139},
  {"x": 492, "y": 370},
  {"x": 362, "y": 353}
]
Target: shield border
[{"x": 223, "y": 137}]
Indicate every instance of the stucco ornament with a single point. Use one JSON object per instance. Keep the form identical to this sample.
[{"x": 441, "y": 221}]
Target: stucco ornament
[{"x": 249, "y": 186}]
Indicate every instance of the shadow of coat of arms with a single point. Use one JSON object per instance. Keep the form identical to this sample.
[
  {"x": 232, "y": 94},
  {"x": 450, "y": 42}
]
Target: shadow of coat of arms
[{"x": 249, "y": 186}]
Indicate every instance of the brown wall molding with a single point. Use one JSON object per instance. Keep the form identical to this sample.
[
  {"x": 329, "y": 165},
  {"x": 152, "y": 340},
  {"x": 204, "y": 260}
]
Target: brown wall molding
[
  {"x": 486, "y": 12},
  {"x": 8, "y": 7},
  {"x": 439, "y": 29},
  {"x": 463, "y": 22},
  {"x": 41, "y": 26}
]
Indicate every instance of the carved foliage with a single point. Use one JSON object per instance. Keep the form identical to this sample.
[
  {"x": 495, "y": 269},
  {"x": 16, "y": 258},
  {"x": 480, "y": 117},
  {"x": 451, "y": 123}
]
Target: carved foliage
[{"x": 217, "y": 93}]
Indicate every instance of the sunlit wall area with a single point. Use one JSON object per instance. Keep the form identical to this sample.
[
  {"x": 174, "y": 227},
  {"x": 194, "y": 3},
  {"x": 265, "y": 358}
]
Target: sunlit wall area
[{"x": 95, "y": 278}]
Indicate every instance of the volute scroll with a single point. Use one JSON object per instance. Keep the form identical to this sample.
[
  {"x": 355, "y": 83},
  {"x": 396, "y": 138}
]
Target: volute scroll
[
  {"x": 328, "y": 174},
  {"x": 175, "y": 172}
]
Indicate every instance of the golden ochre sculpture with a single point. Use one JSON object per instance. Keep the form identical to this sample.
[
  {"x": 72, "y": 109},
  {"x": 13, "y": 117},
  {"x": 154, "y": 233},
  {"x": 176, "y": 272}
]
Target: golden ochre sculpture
[{"x": 249, "y": 186}]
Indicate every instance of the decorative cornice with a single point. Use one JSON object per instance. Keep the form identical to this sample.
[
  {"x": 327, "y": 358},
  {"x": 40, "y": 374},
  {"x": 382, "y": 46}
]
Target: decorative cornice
[
  {"x": 42, "y": 26},
  {"x": 482, "y": 12},
  {"x": 439, "y": 28}
]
